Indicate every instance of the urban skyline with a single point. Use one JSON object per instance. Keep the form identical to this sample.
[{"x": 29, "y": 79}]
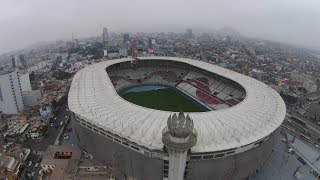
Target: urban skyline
[
  {"x": 25, "y": 23},
  {"x": 178, "y": 90}
]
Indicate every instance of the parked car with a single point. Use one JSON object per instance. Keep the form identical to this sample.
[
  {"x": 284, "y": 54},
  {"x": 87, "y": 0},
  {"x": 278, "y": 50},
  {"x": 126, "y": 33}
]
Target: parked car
[{"x": 66, "y": 137}]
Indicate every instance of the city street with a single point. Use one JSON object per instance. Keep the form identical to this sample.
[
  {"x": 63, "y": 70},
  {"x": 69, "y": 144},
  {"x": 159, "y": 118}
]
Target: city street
[
  {"x": 309, "y": 122},
  {"x": 32, "y": 166},
  {"x": 70, "y": 132},
  {"x": 41, "y": 145}
]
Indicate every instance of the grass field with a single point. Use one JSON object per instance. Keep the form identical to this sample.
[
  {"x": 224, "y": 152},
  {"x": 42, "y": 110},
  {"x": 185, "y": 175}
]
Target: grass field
[{"x": 162, "y": 99}]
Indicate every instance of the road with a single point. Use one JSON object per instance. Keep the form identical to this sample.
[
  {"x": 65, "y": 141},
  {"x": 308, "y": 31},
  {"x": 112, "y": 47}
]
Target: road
[
  {"x": 73, "y": 140},
  {"x": 309, "y": 122},
  {"x": 297, "y": 129},
  {"x": 42, "y": 145},
  {"x": 32, "y": 168}
]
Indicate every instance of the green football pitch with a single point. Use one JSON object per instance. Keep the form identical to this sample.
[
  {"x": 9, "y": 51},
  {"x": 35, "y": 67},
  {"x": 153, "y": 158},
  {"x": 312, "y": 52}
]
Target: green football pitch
[{"x": 166, "y": 99}]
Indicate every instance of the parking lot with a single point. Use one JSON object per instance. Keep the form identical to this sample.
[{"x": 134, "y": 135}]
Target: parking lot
[{"x": 281, "y": 165}]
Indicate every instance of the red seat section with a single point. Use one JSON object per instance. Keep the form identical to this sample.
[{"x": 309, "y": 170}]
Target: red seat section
[{"x": 206, "y": 98}]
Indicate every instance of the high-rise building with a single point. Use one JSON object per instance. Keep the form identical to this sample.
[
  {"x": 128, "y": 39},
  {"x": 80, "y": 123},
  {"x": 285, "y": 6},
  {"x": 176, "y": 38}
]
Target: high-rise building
[
  {"x": 126, "y": 38},
  {"x": 228, "y": 39},
  {"x": 189, "y": 34},
  {"x": 11, "y": 101},
  {"x": 76, "y": 43},
  {"x": 23, "y": 60},
  {"x": 149, "y": 42},
  {"x": 13, "y": 62},
  {"x": 105, "y": 35}
]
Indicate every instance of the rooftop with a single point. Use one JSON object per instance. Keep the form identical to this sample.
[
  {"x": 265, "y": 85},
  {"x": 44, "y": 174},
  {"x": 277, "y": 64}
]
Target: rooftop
[{"x": 93, "y": 98}]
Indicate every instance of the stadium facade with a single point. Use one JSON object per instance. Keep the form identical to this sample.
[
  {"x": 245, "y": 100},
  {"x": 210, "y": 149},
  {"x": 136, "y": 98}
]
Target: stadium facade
[{"x": 234, "y": 136}]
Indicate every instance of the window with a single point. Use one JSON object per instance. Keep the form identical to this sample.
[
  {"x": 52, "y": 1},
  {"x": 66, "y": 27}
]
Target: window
[
  {"x": 109, "y": 136},
  {"x": 208, "y": 157},
  {"x": 135, "y": 148},
  {"x": 1, "y": 97},
  {"x": 195, "y": 157},
  {"x": 219, "y": 155}
]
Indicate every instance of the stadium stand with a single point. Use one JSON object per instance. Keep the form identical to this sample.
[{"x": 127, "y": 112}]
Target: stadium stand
[{"x": 211, "y": 91}]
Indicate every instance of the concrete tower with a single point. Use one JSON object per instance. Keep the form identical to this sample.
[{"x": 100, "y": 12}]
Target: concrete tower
[{"x": 178, "y": 137}]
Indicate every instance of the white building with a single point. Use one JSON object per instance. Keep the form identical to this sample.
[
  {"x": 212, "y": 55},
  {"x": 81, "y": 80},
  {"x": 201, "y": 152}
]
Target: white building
[
  {"x": 25, "y": 82},
  {"x": 123, "y": 52},
  {"x": 105, "y": 53},
  {"x": 45, "y": 111},
  {"x": 11, "y": 101},
  {"x": 35, "y": 135}
]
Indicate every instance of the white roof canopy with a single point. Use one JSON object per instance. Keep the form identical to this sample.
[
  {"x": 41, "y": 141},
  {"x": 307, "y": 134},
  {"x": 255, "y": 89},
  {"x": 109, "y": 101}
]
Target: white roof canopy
[{"x": 93, "y": 98}]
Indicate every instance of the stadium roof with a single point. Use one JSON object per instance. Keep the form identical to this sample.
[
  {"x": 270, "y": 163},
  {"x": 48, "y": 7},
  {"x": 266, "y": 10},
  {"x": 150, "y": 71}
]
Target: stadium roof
[{"x": 93, "y": 98}]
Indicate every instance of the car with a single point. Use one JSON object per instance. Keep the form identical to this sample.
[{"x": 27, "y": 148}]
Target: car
[
  {"x": 30, "y": 163},
  {"x": 317, "y": 146},
  {"x": 314, "y": 173},
  {"x": 66, "y": 137},
  {"x": 291, "y": 151},
  {"x": 66, "y": 117},
  {"x": 51, "y": 125},
  {"x": 61, "y": 123},
  {"x": 301, "y": 160}
]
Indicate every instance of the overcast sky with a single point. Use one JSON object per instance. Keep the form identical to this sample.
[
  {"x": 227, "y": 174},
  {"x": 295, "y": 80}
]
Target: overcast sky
[{"x": 23, "y": 22}]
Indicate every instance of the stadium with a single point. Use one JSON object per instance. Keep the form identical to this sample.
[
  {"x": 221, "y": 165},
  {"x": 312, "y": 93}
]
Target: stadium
[{"x": 121, "y": 109}]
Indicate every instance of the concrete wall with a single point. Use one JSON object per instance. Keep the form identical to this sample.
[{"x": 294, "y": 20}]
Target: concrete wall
[
  {"x": 134, "y": 164},
  {"x": 236, "y": 167}
]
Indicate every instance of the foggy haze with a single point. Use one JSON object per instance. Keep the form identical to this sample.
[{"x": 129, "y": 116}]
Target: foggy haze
[{"x": 25, "y": 22}]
